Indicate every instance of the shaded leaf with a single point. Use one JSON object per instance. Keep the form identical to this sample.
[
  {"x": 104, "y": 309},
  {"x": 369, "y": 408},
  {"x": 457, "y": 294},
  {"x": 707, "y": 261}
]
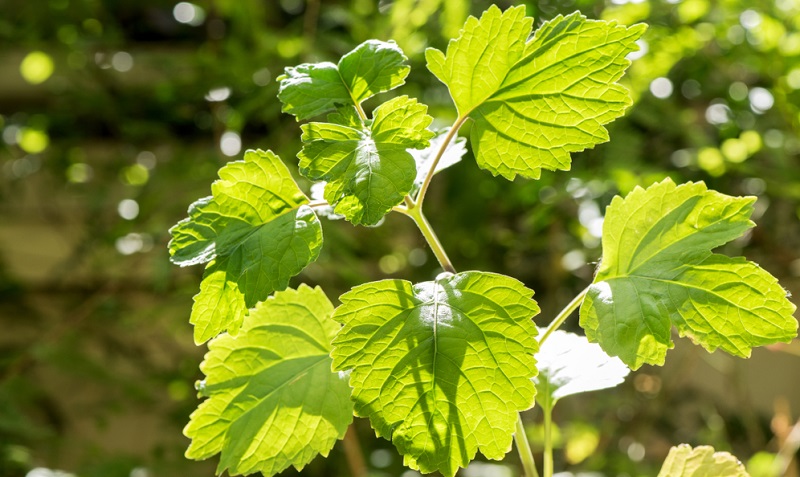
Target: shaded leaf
[
  {"x": 535, "y": 101},
  {"x": 368, "y": 170},
  {"x": 568, "y": 364},
  {"x": 255, "y": 230},
  {"x": 441, "y": 368},
  {"x": 273, "y": 401},
  {"x": 702, "y": 461},
  {"x": 373, "y": 67},
  {"x": 658, "y": 271}
]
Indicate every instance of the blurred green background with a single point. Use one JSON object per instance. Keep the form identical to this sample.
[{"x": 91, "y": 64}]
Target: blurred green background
[{"x": 115, "y": 115}]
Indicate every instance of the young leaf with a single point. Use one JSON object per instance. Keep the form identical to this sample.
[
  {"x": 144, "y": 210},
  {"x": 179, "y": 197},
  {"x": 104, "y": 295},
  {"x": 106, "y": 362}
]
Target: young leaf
[
  {"x": 658, "y": 270},
  {"x": 568, "y": 364},
  {"x": 702, "y": 461},
  {"x": 369, "y": 171},
  {"x": 535, "y": 101},
  {"x": 424, "y": 157},
  {"x": 440, "y": 368},
  {"x": 256, "y": 232},
  {"x": 273, "y": 401},
  {"x": 309, "y": 90}
]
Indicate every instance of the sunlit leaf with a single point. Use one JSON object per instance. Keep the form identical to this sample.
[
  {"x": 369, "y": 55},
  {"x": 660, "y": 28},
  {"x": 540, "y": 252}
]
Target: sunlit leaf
[
  {"x": 534, "y": 101},
  {"x": 441, "y": 368},
  {"x": 658, "y": 271},
  {"x": 273, "y": 401},
  {"x": 568, "y": 364},
  {"x": 702, "y": 461},
  {"x": 256, "y": 232},
  {"x": 373, "y": 67},
  {"x": 368, "y": 170}
]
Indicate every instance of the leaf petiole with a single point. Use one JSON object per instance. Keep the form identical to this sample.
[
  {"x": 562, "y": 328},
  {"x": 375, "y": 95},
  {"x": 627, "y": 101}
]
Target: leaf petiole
[
  {"x": 563, "y": 315},
  {"x": 449, "y": 138},
  {"x": 524, "y": 448}
]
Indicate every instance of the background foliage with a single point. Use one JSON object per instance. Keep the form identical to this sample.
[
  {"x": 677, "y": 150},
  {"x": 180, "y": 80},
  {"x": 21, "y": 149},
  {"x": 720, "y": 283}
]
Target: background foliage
[{"x": 116, "y": 115}]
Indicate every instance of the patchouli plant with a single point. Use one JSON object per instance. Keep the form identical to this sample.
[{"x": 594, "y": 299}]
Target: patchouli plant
[{"x": 443, "y": 368}]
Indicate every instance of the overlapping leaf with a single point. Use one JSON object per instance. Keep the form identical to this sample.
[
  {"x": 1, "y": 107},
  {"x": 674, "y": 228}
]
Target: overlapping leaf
[
  {"x": 535, "y": 101},
  {"x": 309, "y": 90},
  {"x": 256, "y": 232},
  {"x": 658, "y": 271},
  {"x": 568, "y": 364},
  {"x": 368, "y": 170},
  {"x": 702, "y": 461},
  {"x": 441, "y": 368},
  {"x": 273, "y": 401}
]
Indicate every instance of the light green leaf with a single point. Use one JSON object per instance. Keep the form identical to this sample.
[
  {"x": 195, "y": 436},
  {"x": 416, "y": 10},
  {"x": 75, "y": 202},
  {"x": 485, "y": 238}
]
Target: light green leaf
[
  {"x": 535, "y": 101},
  {"x": 273, "y": 401},
  {"x": 658, "y": 270},
  {"x": 373, "y": 67},
  {"x": 702, "y": 461},
  {"x": 568, "y": 364},
  {"x": 441, "y": 368},
  {"x": 256, "y": 232},
  {"x": 368, "y": 170}
]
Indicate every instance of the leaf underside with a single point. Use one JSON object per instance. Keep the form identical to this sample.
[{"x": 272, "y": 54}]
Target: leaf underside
[
  {"x": 368, "y": 169},
  {"x": 273, "y": 401},
  {"x": 658, "y": 270},
  {"x": 440, "y": 368},
  {"x": 535, "y": 101},
  {"x": 702, "y": 461},
  {"x": 568, "y": 364},
  {"x": 255, "y": 232}
]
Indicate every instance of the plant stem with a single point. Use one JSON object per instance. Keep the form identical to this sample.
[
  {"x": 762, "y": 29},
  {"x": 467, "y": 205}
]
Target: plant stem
[
  {"x": 450, "y": 135},
  {"x": 562, "y": 317},
  {"x": 547, "y": 460},
  {"x": 353, "y": 453},
  {"x": 418, "y": 217},
  {"x": 524, "y": 449}
]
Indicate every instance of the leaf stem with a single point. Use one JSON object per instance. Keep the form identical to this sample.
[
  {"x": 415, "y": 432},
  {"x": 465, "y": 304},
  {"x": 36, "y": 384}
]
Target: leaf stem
[
  {"x": 450, "y": 135},
  {"x": 353, "y": 453},
  {"x": 524, "y": 449},
  {"x": 547, "y": 459},
  {"x": 415, "y": 213},
  {"x": 562, "y": 317}
]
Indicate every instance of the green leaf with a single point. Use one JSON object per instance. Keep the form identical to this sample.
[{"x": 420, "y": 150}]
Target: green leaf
[
  {"x": 702, "y": 461},
  {"x": 441, "y": 368},
  {"x": 568, "y": 364},
  {"x": 373, "y": 67},
  {"x": 535, "y": 101},
  {"x": 368, "y": 170},
  {"x": 273, "y": 401},
  {"x": 255, "y": 230},
  {"x": 658, "y": 270}
]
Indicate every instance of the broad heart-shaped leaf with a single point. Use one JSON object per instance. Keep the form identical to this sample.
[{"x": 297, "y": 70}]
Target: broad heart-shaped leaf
[
  {"x": 255, "y": 230},
  {"x": 658, "y": 270},
  {"x": 273, "y": 401},
  {"x": 368, "y": 170},
  {"x": 535, "y": 101},
  {"x": 441, "y": 368},
  {"x": 373, "y": 67},
  {"x": 568, "y": 364},
  {"x": 702, "y": 461}
]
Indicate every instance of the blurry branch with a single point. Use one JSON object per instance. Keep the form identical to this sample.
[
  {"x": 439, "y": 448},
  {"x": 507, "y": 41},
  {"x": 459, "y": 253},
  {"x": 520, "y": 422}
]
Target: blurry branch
[
  {"x": 310, "y": 19},
  {"x": 788, "y": 437},
  {"x": 353, "y": 453}
]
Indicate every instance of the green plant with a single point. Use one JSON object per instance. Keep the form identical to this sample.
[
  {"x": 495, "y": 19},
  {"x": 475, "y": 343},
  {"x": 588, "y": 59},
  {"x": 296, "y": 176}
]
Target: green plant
[{"x": 443, "y": 368}]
